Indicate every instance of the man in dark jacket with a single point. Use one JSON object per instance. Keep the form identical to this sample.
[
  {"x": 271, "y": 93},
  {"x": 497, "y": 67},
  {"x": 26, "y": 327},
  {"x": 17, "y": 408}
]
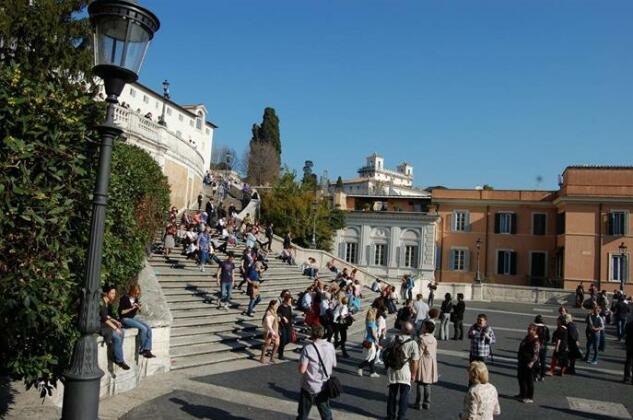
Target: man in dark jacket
[
  {"x": 458, "y": 317},
  {"x": 527, "y": 356},
  {"x": 628, "y": 366},
  {"x": 542, "y": 331},
  {"x": 620, "y": 312}
]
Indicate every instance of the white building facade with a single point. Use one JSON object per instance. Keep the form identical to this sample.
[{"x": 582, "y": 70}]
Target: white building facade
[
  {"x": 181, "y": 146},
  {"x": 389, "y": 244}
]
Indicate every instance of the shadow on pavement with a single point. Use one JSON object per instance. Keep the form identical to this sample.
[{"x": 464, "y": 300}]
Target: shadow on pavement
[
  {"x": 579, "y": 414},
  {"x": 205, "y": 412}
]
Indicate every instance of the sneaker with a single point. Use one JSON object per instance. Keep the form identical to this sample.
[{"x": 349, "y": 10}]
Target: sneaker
[
  {"x": 549, "y": 373},
  {"x": 527, "y": 401},
  {"x": 360, "y": 372},
  {"x": 374, "y": 375},
  {"x": 226, "y": 306},
  {"x": 595, "y": 362},
  {"x": 426, "y": 406},
  {"x": 122, "y": 365}
]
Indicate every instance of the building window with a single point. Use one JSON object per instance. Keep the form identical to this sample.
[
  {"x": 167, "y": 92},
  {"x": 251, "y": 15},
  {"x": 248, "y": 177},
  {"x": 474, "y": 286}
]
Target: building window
[
  {"x": 145, "y": 99},
  {"x": 180, "y": 118},
  {"x": 190, "y": 123},
  {"x": 132, "y": 92},
  {"x": 199, "y": 121},
  {"x": 458, "y": 259},
  {"x": 351, "y": 252},
  {"x": 538, "y": 264},
  {"x": 560, "y": 223},
  {"x": 461, "y": 222},
  {"x": 539, "y": 223},
  {"x": 506, "y": 223},
  {"x": 410, "y": 256},
  {"x": 380, "y": 254},
  {"x": 506, "y": 263},
  {"x": 618, "y": 268},
  {"x": 168, "y": 111},
  {"x": 617, "y": 223}
]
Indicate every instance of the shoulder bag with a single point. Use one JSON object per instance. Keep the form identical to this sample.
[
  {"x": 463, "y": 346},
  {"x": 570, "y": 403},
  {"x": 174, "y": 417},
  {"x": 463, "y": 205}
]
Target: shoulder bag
[{"x": 332, "y": 387}]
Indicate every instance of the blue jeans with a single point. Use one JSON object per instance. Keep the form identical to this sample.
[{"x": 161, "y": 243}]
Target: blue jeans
[
  {"x": 204, "y": 257},
  {"x": 592, "y": 343},
  {"x": 144, "y": 332},
  {"x": 619, "y": 326},
  {"x": 117, "y": 346},
  {"x": 225, "y": 291},
  {"x": 402, "y": 404},
  {"x": 252, "y": 303},
  {"x": 307, "y": 400}
]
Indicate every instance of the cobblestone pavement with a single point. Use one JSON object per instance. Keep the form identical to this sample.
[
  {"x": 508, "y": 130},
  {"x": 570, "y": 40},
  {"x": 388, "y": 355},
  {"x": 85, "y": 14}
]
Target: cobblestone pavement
[{"x": 271, "y": 392}]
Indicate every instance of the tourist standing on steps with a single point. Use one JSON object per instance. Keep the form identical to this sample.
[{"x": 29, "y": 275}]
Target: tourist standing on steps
[
  {"x": 482, "y": 399},
  {"x": 285, "y": 322},
  {"x": 481, "y": 338},
  {"x": 252, "y": 290},
  {"x": 446, "y": 311},
  {"x": 288, "y": 241},
  {"x": 270, "y": 323},
  {"x": 528, "y": 357},
  {"x": 316, "y": 364},
  {"x": 170, "y": 238},
  {"x": 457, "y": 317},
  {"x": 111, "y": 327},
  {"x": 204, "y": 244},
  {"x": 226, "y": 281},
  {"x": 370, "y": 344},
  {"x": 129, "y": 305},
  {"x": 401, "y": 359},
  {"x": 595, "y": 325},
  {"x": 342, "y": 321},
  {"x": 200, "y": 197},
  {"x": 427, "y": 369},
  {"x": 269, "y": 236}
]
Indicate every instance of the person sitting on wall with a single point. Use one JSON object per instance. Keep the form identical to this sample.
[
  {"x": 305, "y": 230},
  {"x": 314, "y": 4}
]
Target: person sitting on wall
[
  {"x": 111, "y": 327},
  {"x": 129, "y": 305}
]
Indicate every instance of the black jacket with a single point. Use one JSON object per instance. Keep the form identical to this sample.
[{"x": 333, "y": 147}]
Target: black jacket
[
  {"x": 124, "y": 303},
  {"x": 460, "y": 308}
]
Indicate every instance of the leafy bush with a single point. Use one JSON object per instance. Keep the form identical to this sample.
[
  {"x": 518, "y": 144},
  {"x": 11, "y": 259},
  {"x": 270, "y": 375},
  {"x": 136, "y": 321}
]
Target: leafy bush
[
  {"x": 47, "y": 173},
  {"x": 289, "y": 207}
]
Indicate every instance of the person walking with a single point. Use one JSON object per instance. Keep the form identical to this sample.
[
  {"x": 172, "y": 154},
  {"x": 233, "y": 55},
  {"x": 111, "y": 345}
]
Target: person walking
[
  {"x": 482, "y": 399},
  {"x": 252, "y": 290},
  {"x": 370, "y": 344},
  {"x": 432, "y": 288},
  {"x": 446, "y": 309},
  {"x": 316, "y": 363},
  {"x": 528, "y": 359},
  {"x": 560, "y": 356},
  {"x": 481, "y": 338},
  {"x": 342, "y": 321},
  {"x": 542, "y": 332},
  {"x": 129, "y": 305},
  {"x": 200, "y": 197},
  {"x": 620, "y": 313},
  {"x": 628, "y": 341},
  {"x": 269, "y": 236},
  {"x": 284, "y": 312},
  {"x": 580, "y": 295},
  {"x": 427, "y": 369},
  {"x": 204, "y": 247},
  {"x": 226, "y": 281},
  {"x": 270, "y": 324},
  {"x": 595, "y": 325},
  {"x": 401, "y": 360},
  {"x": 457, "y": 317},
  {"x": 170, "y": 239}
]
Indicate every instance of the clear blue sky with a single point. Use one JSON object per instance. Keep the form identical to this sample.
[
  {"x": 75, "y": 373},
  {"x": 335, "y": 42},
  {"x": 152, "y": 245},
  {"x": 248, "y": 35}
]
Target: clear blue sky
[{"x": 469, "y": 92}]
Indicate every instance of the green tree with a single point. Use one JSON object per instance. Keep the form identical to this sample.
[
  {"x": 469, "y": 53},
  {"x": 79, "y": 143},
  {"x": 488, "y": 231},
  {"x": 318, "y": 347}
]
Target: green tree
[
  {"x": 289, "y": 207},
  {"x": 47, "y": 172},
  {"x": 265, "y": 137},
  {"x": 339, "y": 184}
]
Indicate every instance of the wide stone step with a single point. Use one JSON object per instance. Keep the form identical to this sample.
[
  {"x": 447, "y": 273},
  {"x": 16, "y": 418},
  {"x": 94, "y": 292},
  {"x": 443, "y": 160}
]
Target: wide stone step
[
  {"x": 206, "y": 330},
  {"x": 207, "y": 348},
  {"x": 214, "y": 338},
  {"x": 208, "y": 359},
  {"x": 242, "y": 320},
  {"x": 209, "y": 287},
  {"x": 206, "y": 276}
]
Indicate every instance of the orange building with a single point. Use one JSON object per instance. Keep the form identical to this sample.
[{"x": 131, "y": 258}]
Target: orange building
[{"x": 580, "y": 233}]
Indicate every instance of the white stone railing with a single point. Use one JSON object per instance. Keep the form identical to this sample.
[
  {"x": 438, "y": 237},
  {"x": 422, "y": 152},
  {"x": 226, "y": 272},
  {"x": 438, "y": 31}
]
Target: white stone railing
[{"x": 160, "y": 140}]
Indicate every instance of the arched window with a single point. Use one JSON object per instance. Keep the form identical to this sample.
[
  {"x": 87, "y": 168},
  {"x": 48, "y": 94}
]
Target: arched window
[{"x": 199, "y": 120}]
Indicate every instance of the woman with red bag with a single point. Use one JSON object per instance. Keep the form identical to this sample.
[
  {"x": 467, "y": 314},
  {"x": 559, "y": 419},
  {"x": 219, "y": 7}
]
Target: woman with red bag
[{"x": 284, "y": 312}]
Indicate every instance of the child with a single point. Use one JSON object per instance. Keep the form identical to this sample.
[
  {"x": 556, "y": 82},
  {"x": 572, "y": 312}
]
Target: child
[{"x": 427, "y": 371}]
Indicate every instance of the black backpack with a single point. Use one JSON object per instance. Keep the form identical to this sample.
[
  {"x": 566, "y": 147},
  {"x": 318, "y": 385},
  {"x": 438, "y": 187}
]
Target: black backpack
[{"x": 393, "y": 356}]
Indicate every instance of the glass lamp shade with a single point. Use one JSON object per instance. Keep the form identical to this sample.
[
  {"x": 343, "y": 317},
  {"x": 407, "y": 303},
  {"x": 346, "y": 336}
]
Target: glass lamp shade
[{"x": 122, "y": 34}]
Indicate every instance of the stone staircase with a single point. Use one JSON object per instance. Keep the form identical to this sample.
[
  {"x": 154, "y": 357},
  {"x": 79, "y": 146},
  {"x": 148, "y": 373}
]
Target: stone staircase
[{"x": 201, "y": 334}]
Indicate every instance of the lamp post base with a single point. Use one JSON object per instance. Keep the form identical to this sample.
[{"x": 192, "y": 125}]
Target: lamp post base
[{"x": 478, "y": 277}]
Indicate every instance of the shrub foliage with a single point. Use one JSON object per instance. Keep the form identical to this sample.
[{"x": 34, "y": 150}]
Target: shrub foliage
[{"x": 47, "y": 172}]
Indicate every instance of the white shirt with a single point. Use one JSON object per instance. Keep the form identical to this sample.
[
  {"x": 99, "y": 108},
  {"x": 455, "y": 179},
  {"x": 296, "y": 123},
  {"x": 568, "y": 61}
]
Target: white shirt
[{"x": 421, "y": 310}]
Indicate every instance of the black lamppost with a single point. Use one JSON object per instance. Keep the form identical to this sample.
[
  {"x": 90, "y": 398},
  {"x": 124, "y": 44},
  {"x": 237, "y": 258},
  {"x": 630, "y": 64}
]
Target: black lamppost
[
  {"x": 622, "y": 249},
  {"x": 315, "y": 206},
  {"x": 122, "y": 33},
  {"x": 478, "y": 273},
  {"x": 165, "y": 98}
]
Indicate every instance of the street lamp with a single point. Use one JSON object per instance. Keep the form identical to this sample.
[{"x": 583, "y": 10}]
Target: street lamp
[
  {"x": 315, "y": 205},
  {"x": 478, "y": 273},
  {"x": 165, "y": 98},
  {"x": 122, "y": 31},
  {"x": 622, "y": 249}
]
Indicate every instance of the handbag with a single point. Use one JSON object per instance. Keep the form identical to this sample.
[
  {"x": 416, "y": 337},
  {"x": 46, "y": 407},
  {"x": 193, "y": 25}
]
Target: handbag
[
  {"x": 347, "y": 321},
  {"x": 367, "y": 344},
  {"x": 332, "y": 387}
]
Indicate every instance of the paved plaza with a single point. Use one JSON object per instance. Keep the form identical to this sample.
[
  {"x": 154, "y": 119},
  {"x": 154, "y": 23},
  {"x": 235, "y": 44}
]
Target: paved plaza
[{"x": 253, "y": 391}]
